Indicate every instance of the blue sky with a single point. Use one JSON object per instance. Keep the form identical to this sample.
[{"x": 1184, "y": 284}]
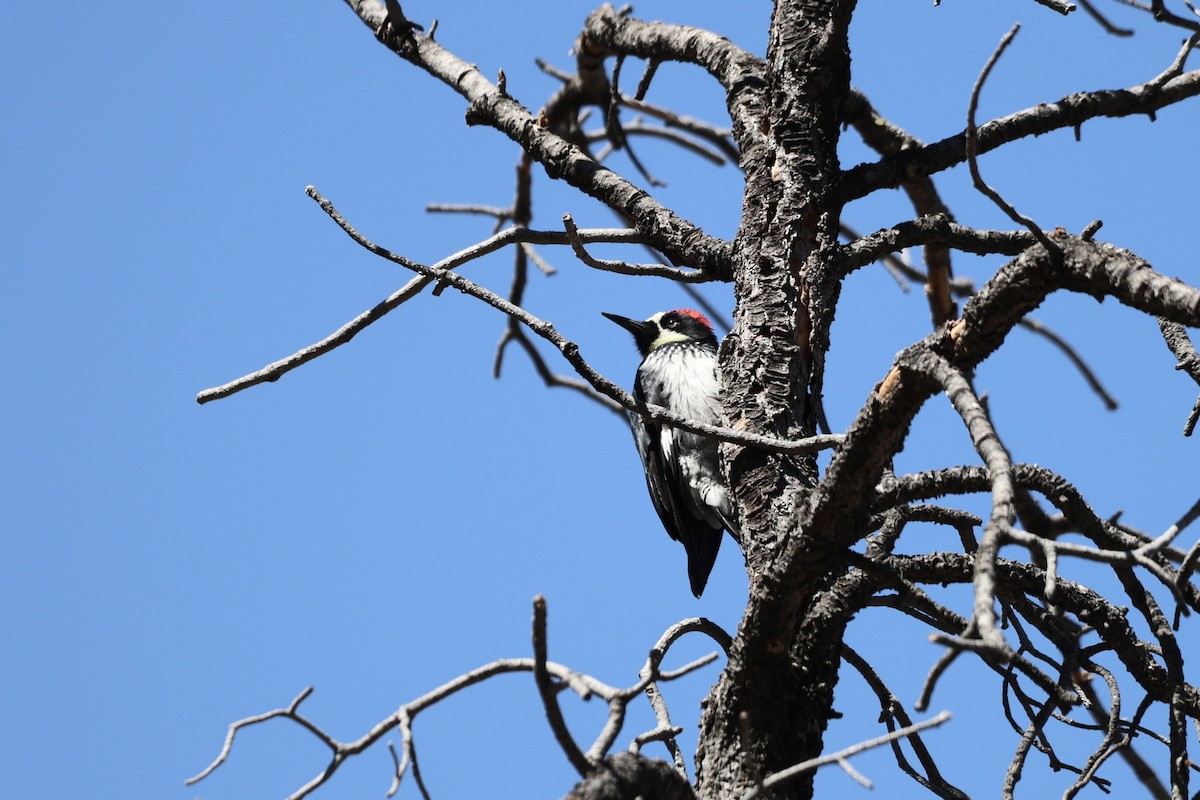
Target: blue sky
[{"x": 378, "y": 521}]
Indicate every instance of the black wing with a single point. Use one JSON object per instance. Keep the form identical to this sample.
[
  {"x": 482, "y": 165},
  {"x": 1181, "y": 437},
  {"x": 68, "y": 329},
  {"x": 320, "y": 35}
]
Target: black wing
[{"x": 655, "y": 444}]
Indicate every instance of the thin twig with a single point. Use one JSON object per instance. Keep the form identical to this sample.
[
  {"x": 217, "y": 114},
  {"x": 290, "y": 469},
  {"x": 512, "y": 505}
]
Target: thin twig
[
  {"x": 570, "y": 352},
  {"x": 1189, "y": 564},
  {"x": 549, "y": 695},
  {"x": 1176, "y": 67},
  {"x": 1069, "y": 111},
  {"x": 892, "y": 711},
  {"x": 542, "y": 264},
  {"x": 514, "y": 235},
  {"x": 797, "y": 770},
  {"x": 275, "y": 370},
  {"x": 1113, "y": 742},
  {"x": 290, "y": 712},
  {"x": 469, "y": 208},
  {"x": 647, "y": 76},
  {"x": 651, "y": 674},
  {"x": 935, "y": 674},
  {"x": 1062, "y": 344},
  {"x": 521, "y": 215},
  {"x": 675, "y": 137},
  {"x": 553, "y": 71},
  {"x": 991, "y": 450},
  {"x": 1103, "y": 21},
  {"x": 719, "y": 137},
  {"x": 554, "y": 380},
  {"x": 1176, "y": 337},
  {"x": 1161, "y": 14},
  {"x": 1055, "y": 252},
  {"x": 897, "y": 267},
  {"x": 622, "y": 267},
  {"x": 584, "y": 685}
]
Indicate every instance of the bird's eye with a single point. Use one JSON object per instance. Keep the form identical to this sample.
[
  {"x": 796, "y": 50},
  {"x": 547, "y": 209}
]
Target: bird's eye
[{"x": 668, "y": 322}]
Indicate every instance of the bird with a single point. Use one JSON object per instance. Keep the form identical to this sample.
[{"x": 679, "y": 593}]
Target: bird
[{"x": 679, "y": 372}]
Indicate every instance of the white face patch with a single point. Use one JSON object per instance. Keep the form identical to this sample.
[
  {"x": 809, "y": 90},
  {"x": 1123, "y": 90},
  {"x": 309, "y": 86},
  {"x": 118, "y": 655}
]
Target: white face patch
[{"x": 665, "y": 335}]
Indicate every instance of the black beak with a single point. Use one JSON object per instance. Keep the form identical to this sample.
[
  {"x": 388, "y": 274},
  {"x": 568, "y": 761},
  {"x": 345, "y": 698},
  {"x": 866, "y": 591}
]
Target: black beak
[
  {"x": 644, "y": 333},
  {"x": 636, "y": 327}
]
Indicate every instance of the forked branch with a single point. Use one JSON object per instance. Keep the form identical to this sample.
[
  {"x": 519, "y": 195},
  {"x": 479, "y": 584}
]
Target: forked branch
[
  {"x": 570, "y": 351},
  {"x": 551, "y": 678}
]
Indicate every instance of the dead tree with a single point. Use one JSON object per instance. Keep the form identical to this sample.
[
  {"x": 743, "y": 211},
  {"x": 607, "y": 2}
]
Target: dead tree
[{"x": 820, "y": 545}]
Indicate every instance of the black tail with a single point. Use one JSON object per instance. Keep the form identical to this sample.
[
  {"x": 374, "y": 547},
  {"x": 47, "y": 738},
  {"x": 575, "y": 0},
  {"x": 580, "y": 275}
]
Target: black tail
[{"x": 702, "y": 547}]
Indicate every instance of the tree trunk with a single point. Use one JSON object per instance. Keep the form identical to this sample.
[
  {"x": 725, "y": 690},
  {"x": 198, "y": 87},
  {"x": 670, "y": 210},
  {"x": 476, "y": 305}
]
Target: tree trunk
[{"x": 782, "y": 671}]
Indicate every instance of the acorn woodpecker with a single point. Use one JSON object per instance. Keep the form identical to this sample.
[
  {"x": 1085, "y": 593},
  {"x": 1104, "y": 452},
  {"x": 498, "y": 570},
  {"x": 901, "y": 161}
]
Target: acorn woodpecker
[{"x": 679, "y": 372}]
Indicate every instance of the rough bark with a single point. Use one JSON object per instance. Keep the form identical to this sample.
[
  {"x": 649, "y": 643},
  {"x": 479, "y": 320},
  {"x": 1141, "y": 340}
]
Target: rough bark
[{"x": 786, "y": 283}]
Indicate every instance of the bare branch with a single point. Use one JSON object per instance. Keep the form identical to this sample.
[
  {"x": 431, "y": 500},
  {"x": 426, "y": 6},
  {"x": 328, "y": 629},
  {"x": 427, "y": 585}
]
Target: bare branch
[
  {"x": 666, "y": 732},
  {"x": 892, "y": 711},
  {"x": 1161, "y": 14},
  {"x": 1113, "y": 742},
  {"x": 885, "y": 137},
  {"x": 647, "y": 76},
  {"x": 515, "y": 235},
  {"x": 1063, "y": 345},
  {"x": 553, "y": 71},
  {"x": 897, "y": 267},
  {"x": 973, "y": 151},
  {"x": 678, "y": 239},
  {"x": 290, "y": 712},
  {"x": 939, "y": 229},
  {"x": 274, "y": 371},
  {"x": 742, "y": 74},
  {"x": 1141, "y": 555},
  {"x": 521, "y": 213},
  {"x": 1068, "y": 112},
  {"x": 718, "y": 137},
  {"x": 1116, "y": 545},
  {"x": 618, "y": 705},
  {"x": 649, "y": 677},
  {"x": 546, "y": 673},
  {"x": 1176, "y": 337},
  {"x": 570, "y": 351},
  {"x": 403, "y": 717},
  {"x": 1029, "y": 737},
  {"x": 1188, "y": 565},
  {"x": 1091, "y": 608},
  {"x": 549, "y": 694},
  {"x": 1103, "y": 21},
  {"x": 503, "y": 214},
  {"x": 814, "y": 763},
  {"x": 623, "y": 268},
  {"x": 934, "y": 675},
  {"x": 550, "y": 378},
  {"x": 999, "y": 524},
  {"x": 531, "y": 252},
  {"x": 637, "y": 127}
]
